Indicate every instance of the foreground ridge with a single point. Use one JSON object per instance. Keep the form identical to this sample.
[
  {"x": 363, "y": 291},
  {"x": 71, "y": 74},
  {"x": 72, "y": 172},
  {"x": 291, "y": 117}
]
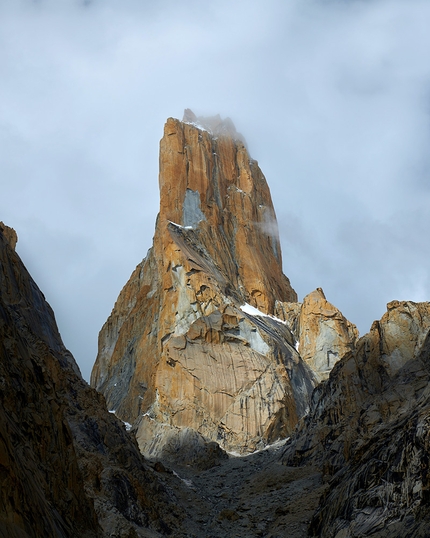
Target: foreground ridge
[
  {"x": 68, "y": 467},
  {"x": 368, "y": 429}
]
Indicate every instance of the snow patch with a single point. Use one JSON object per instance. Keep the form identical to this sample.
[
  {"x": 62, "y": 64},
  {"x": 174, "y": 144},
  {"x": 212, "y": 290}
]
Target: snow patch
[
  {"x": 274, "y": 446},
  {"x": 186, "y": 481},
  {"x": 252, "y": 311},
  {"x": 149, "y": 416},
  {"x": 180, "y": 226},
  {"x": 128, "y": 426},
  {"x": 198, "y": 125}
]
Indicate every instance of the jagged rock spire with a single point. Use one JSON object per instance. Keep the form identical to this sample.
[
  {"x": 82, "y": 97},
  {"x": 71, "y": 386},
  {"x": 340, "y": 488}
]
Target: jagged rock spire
[{"x": 183, "y": 347}]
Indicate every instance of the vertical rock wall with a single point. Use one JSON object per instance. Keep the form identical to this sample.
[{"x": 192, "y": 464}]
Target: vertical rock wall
[{"x": 178, "y": 350}]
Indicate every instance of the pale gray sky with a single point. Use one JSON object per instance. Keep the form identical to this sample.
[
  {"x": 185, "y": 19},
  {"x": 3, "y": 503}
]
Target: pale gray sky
[{"x": 332, "y": 97}]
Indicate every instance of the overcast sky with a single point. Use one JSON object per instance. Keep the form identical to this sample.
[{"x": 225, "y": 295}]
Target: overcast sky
[{"x": 333, "y": 98}]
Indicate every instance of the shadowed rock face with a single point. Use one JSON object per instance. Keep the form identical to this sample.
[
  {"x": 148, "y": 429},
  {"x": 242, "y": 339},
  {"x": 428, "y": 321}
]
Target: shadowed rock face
[
  {"x": 368, "y": 428},
  {"x": 179, "y": 349},
  {"x": 67, "y": 466}
]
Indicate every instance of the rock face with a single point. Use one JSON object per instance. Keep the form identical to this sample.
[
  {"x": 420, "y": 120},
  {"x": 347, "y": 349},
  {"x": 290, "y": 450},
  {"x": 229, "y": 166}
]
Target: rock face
[
  {"x": 67, "y": 467},
  {"x": 325, "y": 335},
  {"x": 322, "y": 333},
  {"x": 368, "y": 428},
  {"x": 192, "y": 341},
  {"x": 9, "y": 235}
]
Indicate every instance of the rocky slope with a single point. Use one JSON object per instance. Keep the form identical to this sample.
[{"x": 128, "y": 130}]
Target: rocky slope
[
  {"x": 193, "y": 340},
  {"x": 252, "y": 496},
  {"x": 68, "y": 467},
  {"x": 368, "y": 429}
]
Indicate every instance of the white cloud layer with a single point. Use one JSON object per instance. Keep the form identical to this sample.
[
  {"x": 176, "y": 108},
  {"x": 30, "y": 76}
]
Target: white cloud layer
[{"x": 332, "y": 97}]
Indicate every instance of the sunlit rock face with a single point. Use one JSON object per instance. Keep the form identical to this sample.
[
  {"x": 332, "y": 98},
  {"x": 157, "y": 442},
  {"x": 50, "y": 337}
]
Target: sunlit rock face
[
  {"x": 67, "y": 466},
  {"x": 369, "y": 428},
  {"x": 9, "y": 235},
  {"x": 192, "y": 341},
  {"x": 324, "y": 334}
]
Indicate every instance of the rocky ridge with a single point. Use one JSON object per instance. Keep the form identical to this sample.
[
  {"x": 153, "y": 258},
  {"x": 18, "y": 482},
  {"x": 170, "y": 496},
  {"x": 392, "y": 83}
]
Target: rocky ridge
[
  {"x": 368, "y": 430},
  {"x": 68, "y": 467}
]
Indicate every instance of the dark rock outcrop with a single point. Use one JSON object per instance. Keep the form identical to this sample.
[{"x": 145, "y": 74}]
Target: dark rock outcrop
[
  {"x": 68, "y": 467},
  {"x": 368, "y": 429}
]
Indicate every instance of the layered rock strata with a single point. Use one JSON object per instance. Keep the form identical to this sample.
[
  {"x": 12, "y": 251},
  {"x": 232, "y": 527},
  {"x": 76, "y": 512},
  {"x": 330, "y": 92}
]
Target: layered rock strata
[
  {"x": 368, "y": 429},
  {"x": 192, "y": 341},
  {"x": 67, "y": 466}
]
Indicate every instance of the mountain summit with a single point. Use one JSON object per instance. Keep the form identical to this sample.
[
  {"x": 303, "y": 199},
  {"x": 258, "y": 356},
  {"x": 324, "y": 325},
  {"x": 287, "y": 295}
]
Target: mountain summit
[{"x": 193, "y": 341}]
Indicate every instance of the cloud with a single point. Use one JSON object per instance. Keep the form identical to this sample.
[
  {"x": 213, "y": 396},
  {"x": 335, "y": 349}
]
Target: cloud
[{"x": 332, "y": 98}]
